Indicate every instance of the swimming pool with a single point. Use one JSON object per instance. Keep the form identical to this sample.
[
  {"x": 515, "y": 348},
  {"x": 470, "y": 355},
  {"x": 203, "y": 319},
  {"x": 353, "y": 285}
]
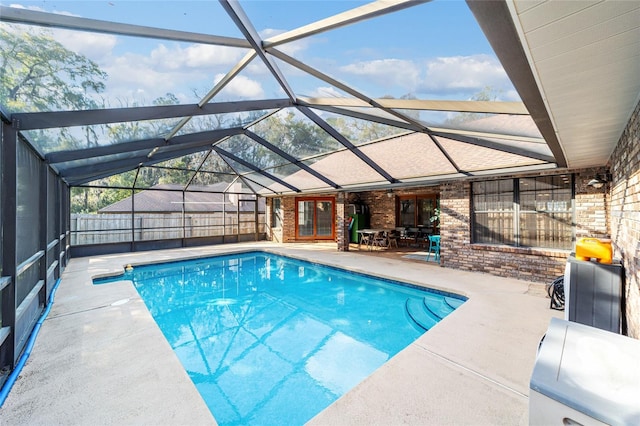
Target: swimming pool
[{"x": 268, "y": 339}]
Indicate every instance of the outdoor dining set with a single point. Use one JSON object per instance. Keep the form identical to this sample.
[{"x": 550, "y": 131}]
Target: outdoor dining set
[{"x": 380, "y": 238}]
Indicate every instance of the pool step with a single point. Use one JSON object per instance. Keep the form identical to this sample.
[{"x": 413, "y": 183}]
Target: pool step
[
  {"x": 417, "y": 311},
  {"x": 454, "y": 302},
  {"x": 439, "y": 308}
]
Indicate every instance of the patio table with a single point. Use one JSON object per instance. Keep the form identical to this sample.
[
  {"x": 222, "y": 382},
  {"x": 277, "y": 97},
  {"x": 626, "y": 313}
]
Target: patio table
[{"x": 367, "y": 236}]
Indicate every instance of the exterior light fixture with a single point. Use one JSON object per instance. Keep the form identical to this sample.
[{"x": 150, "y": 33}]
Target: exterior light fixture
[
  {"x": 599, "y": 180},
  {"x": 390, "y": 193}
]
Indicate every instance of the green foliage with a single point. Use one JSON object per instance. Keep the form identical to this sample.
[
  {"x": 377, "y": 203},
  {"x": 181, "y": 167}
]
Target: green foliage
[
  {"x": 90, "y": 200},
  {"x": 435, "y": 219},
  {"x": 360, "y": 131},
  {"x": 39, "y": 74},
  {"x": 295, "y": 135}
]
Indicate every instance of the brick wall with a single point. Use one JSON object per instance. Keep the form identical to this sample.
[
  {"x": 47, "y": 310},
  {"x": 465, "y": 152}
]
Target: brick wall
[
  {"x": 532, "y": 264},
  {"x": 539, "y": 265},
  {"x": 288, "y": 219},
  {"x": 342, "y": 225},
  {"x": 625, "y": 216},
  {"x": 592, "y": 207}
]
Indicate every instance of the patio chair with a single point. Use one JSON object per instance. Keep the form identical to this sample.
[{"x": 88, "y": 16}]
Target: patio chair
[
  {"x": 366, "y": 239},
  {"x": 380, "y": 239},
  {"x": 434, "y": 247},
  {"x": 392, "y": 238}
]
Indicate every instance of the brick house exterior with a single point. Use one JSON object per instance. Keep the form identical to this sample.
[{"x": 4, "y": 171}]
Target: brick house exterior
[
  {"x": 624, "y": 216},
  {"x": 609, "y": 212},
  {"x": 457, "y": 251}
]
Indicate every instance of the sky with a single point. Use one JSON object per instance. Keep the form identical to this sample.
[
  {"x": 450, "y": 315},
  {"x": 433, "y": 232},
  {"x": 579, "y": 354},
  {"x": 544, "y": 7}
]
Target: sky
[{"x": 430, "y": 51}]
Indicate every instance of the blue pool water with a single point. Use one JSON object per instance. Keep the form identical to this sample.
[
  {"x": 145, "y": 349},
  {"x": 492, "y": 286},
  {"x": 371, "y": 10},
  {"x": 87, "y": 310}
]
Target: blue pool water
[{"x": 271, "y": 340}]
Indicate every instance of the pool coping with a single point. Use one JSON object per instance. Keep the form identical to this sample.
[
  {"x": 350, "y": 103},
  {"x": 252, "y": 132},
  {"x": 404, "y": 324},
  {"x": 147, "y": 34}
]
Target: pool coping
[{"x": 482, "y": 354}]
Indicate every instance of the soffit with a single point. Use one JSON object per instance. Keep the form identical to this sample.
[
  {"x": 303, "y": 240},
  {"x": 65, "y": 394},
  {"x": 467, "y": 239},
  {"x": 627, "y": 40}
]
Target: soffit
[{"x": 585, "y": 57}]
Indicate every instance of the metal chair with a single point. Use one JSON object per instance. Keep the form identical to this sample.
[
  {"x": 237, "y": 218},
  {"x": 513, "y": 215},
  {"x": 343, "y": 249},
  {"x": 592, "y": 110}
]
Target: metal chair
[
  {"x": 434, "y": 247},
  {"x": 366, "y": 238},
  {"x": 380, "y": 239},
  {"x": 392, "y": 238}
]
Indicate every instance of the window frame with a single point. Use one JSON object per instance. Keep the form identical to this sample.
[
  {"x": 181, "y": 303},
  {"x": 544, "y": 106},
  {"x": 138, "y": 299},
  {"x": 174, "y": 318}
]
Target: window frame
[
  {"x": 519, "y": 214},
  {"x": 314, "y": 235},
  {"x": 276, "y": 213},
  {"x": 416, "y": 198}
]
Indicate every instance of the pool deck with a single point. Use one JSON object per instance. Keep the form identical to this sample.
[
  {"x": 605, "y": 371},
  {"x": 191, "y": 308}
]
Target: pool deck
[{"x": 100, "y": 358}]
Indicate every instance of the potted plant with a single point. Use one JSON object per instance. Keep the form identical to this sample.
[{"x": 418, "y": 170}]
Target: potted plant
[{"x": 435, "y": 218}]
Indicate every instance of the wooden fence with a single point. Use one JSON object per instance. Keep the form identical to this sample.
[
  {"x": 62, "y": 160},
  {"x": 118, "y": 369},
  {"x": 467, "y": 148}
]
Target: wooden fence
[{"x": 116, "y": 228}]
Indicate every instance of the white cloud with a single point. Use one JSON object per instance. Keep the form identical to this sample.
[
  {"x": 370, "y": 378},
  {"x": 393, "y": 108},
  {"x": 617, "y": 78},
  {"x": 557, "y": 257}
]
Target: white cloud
[
  {"x": 141, "y": 71},
  {"x": 387, "y": 72},
  {"x": 242, "y": 87},
  {"x": 172, "y": 69},
  {"x": 39, "y": 9},
  {"x": 131, "y": 78},
  {"x": 196, "y": 56},
  {"x": 464, "y": 73},
  {"x": 458, "y": 76},
  {"x": 92, "y": 45}
]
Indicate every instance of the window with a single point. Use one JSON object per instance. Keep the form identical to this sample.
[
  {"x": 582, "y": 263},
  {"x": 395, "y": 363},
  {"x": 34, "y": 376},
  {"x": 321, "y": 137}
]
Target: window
[
  {"x": 416, "y": 211},
  {"x": 315, "y": 218},
  {"x": 493, "y": 208},
  {"x": 546, "y": 212},
  {"x": 527, "y": 212},
  {"x": 276, "y": 213}
]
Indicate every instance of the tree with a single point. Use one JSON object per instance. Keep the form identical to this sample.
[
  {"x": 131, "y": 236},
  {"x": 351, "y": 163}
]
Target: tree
[
  {"x": 39, "y": 74},
  {"x": 362, "y": 131}
]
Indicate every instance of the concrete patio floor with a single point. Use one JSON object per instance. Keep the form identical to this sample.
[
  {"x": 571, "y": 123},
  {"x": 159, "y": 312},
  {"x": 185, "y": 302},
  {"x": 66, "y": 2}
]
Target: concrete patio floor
[{"x": 101, "y": 359}]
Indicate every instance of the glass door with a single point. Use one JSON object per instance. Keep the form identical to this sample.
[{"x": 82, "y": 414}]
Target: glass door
[
  {"x": 315, "y": 219},
  {"x": 324, "y": 219},
  {"x": 305, "y": 218}
]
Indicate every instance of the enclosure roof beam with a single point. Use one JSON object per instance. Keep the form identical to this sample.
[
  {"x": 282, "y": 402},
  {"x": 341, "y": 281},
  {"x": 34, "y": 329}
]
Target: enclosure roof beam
[
  {"x": 216, "y": 89},
  {"x": 367, "y": 11},
  {"x": 360, "y": 100},
  {"x": 248, "y": 165},
  {"x": 88, "y": 172},
  {"x": 364, "y": 116},
  {"x": 55, "y": 20},
  {"x": 481, "y": 107},
  {"x": 291, "y": 159},
  {"x": 237, "y": 14},
  {"x": 496, "y": 21},
  {"x": 346, "y": 143},
  {"x": 193, "y": 139},
  {"x": 54, "y": 119},
  {"x": 496, "y": 146}
]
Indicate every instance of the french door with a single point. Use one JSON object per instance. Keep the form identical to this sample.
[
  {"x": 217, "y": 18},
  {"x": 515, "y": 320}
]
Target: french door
[{"x": 315, "y": 218}]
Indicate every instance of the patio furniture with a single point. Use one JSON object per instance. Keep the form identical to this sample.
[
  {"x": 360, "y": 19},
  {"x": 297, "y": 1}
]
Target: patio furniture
[
  {"x": 373, "y": 237},
  {"x": 422, "y": 238},
  {"x": 365, "y": 237},
  {"x": 380, "y": 239},
  {"x": 434, "y": 247},
  {"x": 409, "y": 236},
  {"x": 392, "y": 238}
]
